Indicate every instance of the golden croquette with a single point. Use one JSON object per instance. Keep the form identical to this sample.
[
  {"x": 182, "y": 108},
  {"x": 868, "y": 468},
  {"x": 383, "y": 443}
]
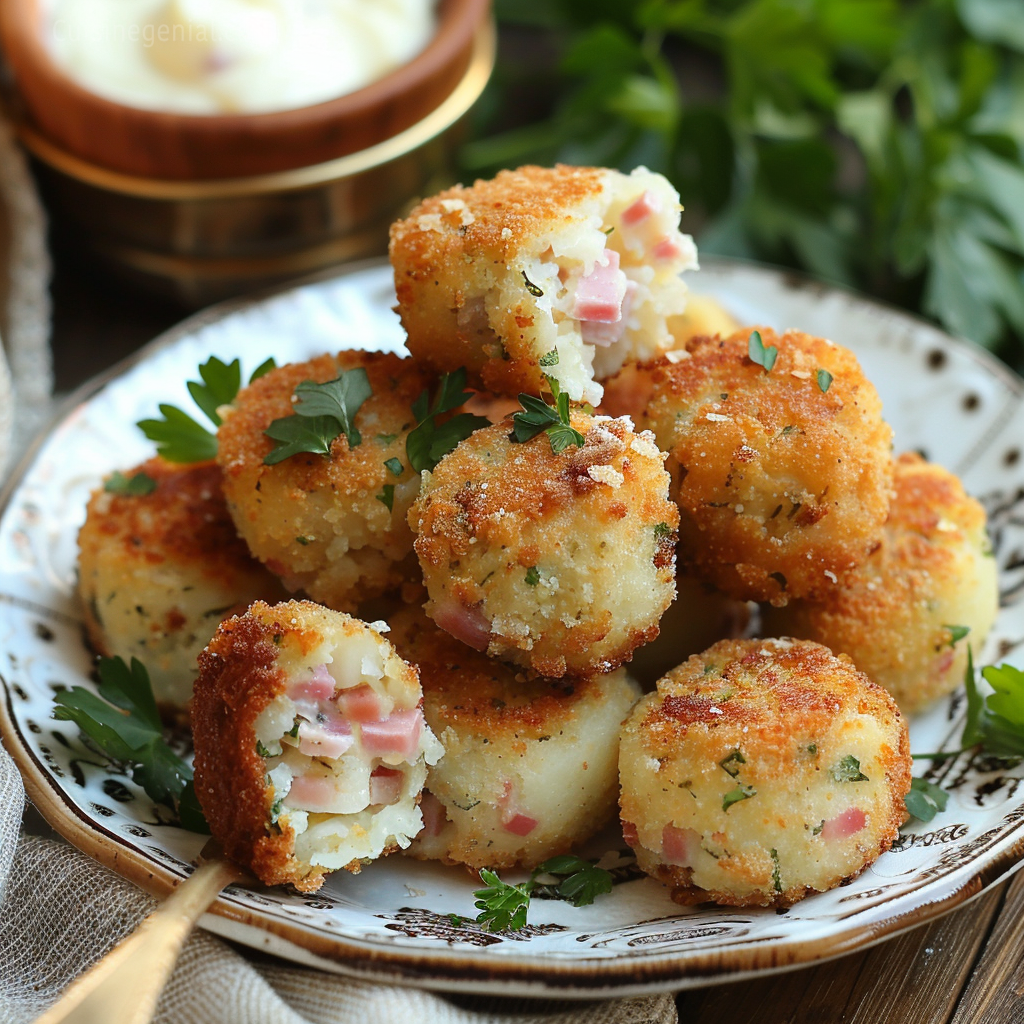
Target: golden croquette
[
  {"x": 158, "y": 571},
  {"x": 560, "y": 562},
  {"x": 334, "y": 527},
  {"x": 563, "y": 271},
  {"x": 761, "y": 771},
  {"x": 894, "y": 615},
  {"x": 490, "y": 801},
  {"x": 311, "y": 749},
  {"x": 783, "y": 478}
]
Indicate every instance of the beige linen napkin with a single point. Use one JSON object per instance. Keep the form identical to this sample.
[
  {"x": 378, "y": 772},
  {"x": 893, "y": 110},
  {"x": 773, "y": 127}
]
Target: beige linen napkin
[
  {"x": 24, "y": 304},
  {"x": 60, "y": 912}
]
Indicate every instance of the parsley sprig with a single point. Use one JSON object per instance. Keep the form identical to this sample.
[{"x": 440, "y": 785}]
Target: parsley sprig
[
  {"x": 179, "y": 437},
  {"x": 554, "y": 420},
  {"x": 504, "y": 906},
  {"x": 761, "y": 354},
  {"x": 320, "y": 415},
  {"x": 136, "y": 486},
  {"x": 123, "y": 722},
  {"x": 429, "y": 441}
]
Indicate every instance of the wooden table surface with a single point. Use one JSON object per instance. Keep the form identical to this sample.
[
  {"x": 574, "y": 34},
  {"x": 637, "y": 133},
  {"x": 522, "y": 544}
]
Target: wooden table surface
[{"x": 965, "y": 967}]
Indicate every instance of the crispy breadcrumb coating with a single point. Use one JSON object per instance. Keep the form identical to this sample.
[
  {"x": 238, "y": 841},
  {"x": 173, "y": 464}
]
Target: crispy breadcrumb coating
[
  {"x": 784, "y": 478},
  {"x": 933, "y": 570},
  {"x": 762, "y": 771},
  {"x": 157, "y": 572},
  {"x": 310, "y": 747},
  {"x": 562, "y": 563},
  {"x": 321, "y": 523},
  {"x": 579, "y": 265}
]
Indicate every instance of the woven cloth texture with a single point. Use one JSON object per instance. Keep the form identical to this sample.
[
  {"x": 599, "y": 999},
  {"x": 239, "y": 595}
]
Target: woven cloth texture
[{"x": 61, "y": 911}]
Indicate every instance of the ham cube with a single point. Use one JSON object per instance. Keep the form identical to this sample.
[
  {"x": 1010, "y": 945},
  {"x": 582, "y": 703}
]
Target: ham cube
[
  {"x": 466, "y": 624},
  {"x": 844, "y": 825},
  {"x": 397, "y": 735},
  {"x": 680, "y": 845},
  {"x": 312, "y": 793},
  {"x": 319, "y": 686},
  {"x": 519, "y": 824},
  {"x": 435, "y": 816},
  {"x": 640, "y": 210},
  {"x": 667, "y": 248},
  {"x": 600, "y": 293},
  {"x": 360, "y": 704},
  {"x": 385, "y": 785},
  {"x": 603, "y": 335},
  {"x": 325, "y": 739}
]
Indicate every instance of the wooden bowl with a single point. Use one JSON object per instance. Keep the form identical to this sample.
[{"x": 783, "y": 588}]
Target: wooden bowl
[{"x": 181, "y": 146}]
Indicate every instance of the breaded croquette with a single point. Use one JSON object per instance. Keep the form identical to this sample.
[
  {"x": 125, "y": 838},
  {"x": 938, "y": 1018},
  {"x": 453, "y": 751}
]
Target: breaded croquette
[
  {"x": 565, "y": 271},
  {"x": 332, "y": 526},
  {"x": 560, "y": 562},
  {"x": 311, "y": 748},
  {"x": 896, "y": 613},
  {"x": 490, "y": 801},
  {"x": 761, "y": 771},
  {"x": 784, "y": 477},
  {"x": 158, "y": 571}
]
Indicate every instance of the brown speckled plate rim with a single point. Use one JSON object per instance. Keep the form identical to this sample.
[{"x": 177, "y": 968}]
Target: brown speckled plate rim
[{"x": 466, "y": 971}]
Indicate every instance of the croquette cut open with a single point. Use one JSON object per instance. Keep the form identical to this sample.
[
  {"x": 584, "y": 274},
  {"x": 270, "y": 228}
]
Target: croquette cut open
[
  {"x": 564, "y": 271},
  {"x": 334, "y": 527},
  {"x": 783, "y": 475},
  {"x": 933, "y": 574},
  {"x": 158, "y": 571},
  {"x": 761, "y": 771},
  {"x": 311, "y": 748},
  {"x": 531, "y": 765},
  {"x": 561, "y": 562}
]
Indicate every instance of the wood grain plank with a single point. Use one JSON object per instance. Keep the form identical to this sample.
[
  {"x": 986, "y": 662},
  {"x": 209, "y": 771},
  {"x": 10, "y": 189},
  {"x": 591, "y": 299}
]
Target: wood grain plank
[
  {"x": 995, "y": 990},
  {"x": 917, "y": 977}
]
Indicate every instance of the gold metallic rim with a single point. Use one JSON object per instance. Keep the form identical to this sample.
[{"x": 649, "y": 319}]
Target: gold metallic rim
[{"x": 455, "y": 106}]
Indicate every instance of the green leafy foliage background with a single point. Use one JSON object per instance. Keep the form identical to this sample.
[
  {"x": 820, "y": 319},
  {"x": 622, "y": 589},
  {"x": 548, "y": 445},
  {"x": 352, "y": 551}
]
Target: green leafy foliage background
[{"x": 873, "y": 143}]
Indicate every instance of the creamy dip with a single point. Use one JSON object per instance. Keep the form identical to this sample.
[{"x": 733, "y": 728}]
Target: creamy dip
[{"x": 222, "y": 56}]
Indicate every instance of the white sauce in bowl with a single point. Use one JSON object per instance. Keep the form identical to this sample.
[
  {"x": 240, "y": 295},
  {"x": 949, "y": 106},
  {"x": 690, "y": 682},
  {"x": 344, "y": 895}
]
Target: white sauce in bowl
[{"x": 227, "y": 56}]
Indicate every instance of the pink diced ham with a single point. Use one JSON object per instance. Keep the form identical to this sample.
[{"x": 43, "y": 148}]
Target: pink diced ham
[
  {"x": 844, "y": 825},
  {"x": 668, "y": 248},
  {"x": 599, "y": 294},
  {"x": 641, "y": 209},
  {"x": 630, "y": 834},
  {"x": 603, "y": 335},
  {"x": 325, "y": 739},
  {"x": 680, "y": 845},
  {"x": 512, "y": 819},
  {"x": 435, "y": 815},
  {"x": 396, "y": 735},
  {"x": 311, "y": 793},
  {"x": 360, "y": 704},
  {"x": 319, "y": 686},
  {"x": 469, "y": 625},
  {"x": 385, "y": 785}
]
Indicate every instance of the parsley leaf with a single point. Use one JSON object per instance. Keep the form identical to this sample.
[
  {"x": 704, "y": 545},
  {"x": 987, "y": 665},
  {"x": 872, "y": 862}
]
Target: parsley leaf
[
  {"x": 505, "y": 906},
  {"x": 502, "y": 906},
  {"x": 263, "y": 369},
  {"x": 554, "y": 420},
  {"x": 824, "y": 380},
  {"x": 429, "y": 442},
  {"x": 776, "y": 873},
  {"x": 734, "y": 796},
  {"x": 847, "y": 769},
  {"x": 387, "y": 497},
  {"x": 731, "y": 764},
  {"x": 761, "y": 354},
  {"x": 124, "y": 723},
  {"x": 957, "y": 633},
  {"x": 179, "y": 437},
  {"x": 549, "y": 358},
  {"x": 322, "y": 413},
  {"x": 925, "y": 799},
  {"x": 137, "y": 486},
  {"x": 532, "y": 576},
  {"x": 394, "y": 466}
]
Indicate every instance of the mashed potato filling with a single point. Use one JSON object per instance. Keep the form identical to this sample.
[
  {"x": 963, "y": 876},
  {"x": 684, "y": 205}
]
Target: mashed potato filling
[{"x": 346, "y": 751}]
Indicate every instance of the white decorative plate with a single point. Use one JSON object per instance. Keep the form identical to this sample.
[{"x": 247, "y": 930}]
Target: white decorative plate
[{"x": 400, "y": 920}]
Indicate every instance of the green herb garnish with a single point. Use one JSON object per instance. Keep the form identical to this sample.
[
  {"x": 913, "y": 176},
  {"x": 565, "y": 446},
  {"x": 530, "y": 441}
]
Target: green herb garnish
[
  {"x": 504, "y": 906},
  {"x": 429, "y": 442},
  {"x": 533, "y": 289},
  {"x": 731, "y": 764},
  {"x": 532, "y": 576},
  {"x": 321, "y": 414},
  {"x": 847, "y": 770},
  {"x": 554, "y": 420},
  {"x": 124, "y": 723},
  {"x": 776, "y": 875},
  {"x": 387, "y": 497},
  {"x": 394, "y": 466},
  {"x": 761, "y": 354},
  {"x": 661, "y": 531},
  {"x": 734, "y": 796},
  {"x": 925, "y": 799},
  {"x": 136, "y": 486},
  {"x": 824, "y": 380},
  {"x": 549, "y": 358},
  {"x": 956, "y": 634}
]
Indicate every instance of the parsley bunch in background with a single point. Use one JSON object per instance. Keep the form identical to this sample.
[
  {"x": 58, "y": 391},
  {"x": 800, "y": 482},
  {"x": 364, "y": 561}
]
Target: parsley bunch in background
[{"x": 874, "y": 143}]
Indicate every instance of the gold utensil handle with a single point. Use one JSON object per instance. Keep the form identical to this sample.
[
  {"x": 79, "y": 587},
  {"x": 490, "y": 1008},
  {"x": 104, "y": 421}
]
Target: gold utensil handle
[{"x": 123, "y": 988}]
